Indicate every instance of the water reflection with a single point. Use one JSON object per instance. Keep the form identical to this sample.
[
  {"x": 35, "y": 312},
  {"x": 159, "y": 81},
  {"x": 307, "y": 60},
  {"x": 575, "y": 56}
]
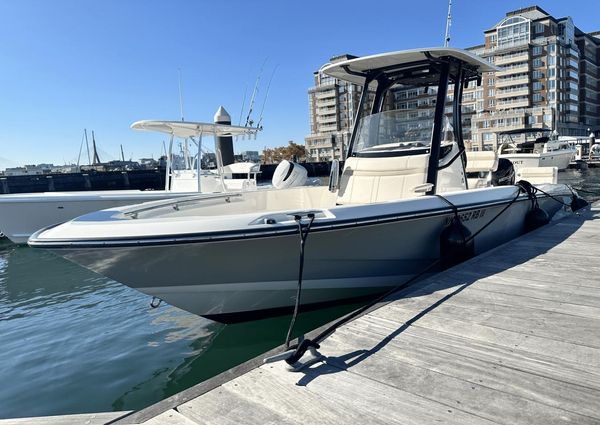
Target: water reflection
[{"x": 72, "y": 341}]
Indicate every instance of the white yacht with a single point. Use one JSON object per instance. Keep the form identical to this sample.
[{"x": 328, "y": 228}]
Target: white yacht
[
  {"x": 541, "y": 152},
  {"x": 24, "y": 213},
  {"x": 234, "y": 257}
]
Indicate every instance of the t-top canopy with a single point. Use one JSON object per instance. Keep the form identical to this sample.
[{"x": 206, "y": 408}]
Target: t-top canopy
[
  {"x": 353, "y": 70},
  {"x": 185, "y": 129}
]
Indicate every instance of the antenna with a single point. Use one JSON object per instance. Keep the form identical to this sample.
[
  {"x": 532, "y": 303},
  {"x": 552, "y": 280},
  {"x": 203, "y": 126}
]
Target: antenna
[
  {"x": 448, "y": 24},
  {"x": 243, "y": 104},
  {"x": 249, "y": 121},
  {"x": 87, "y": 144},
  {"x": 80, "y": 149},
  {"x": 180, "y": 94},
  {"x": 122, "y": 155},
  {"x": 266, "y": 96}
]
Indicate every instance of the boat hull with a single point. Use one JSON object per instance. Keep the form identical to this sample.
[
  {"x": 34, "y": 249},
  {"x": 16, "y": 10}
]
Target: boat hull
[
  {"x": 23, "y": 214},
  {"x": 559, "y": 159},
  {"x": 243, "y": 278}
]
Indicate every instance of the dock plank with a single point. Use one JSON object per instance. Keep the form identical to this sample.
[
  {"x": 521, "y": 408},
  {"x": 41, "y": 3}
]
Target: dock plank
[
  {"x": 323, "y": 399},
  {"x": 77, "y": 419},
  {"x": 517, "y": 339},
  {"x": 172, "y": 417},
  {"x": 540, "y": 364},
  {"x": 508, "y": 375},
  {"x": 502, "y": 398}
]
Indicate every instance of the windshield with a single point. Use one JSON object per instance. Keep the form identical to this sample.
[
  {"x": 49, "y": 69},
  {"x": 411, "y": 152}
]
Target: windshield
[
  {"x": 404, "y": 118},
  {"x": 395, "y": 130}
]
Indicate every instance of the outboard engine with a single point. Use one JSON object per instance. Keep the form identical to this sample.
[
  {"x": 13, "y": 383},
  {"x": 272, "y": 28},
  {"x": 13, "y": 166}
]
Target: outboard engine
[
  {"x": 289, "y": 174},
  {"x": 504, "y": 174}
]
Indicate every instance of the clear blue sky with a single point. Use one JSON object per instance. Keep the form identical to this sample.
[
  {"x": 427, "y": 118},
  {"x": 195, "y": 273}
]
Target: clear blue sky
[{"x": 103, "y": 64}]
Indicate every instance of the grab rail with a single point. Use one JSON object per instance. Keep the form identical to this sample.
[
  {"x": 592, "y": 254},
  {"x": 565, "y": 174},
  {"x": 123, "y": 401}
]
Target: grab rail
[{"x": 175, "y": 202}]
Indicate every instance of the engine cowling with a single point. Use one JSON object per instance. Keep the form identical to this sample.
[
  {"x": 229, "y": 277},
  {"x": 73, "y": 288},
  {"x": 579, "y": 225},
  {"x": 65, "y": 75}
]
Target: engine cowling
[{"x": 289, "y": 174}]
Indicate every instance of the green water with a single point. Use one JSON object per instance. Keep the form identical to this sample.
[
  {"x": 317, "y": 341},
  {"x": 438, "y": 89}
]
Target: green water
[{"x": 73, "y": 341}]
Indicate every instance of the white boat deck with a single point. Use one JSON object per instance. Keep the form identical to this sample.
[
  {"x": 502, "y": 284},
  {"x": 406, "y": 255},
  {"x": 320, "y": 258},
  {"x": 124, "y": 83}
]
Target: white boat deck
[{"x": 509, "y": 337}]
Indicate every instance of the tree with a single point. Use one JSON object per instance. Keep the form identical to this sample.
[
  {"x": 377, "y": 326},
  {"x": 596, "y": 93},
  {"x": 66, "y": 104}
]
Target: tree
[{"x": 292, "y": 151}]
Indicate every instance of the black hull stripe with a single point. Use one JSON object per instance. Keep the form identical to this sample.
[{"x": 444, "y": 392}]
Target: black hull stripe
[{"x": 253, "y": 234}]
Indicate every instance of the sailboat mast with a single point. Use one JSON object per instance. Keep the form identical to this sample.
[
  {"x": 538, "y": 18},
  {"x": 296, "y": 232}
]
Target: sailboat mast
[
  {"x": 87, "y": 145},
  {"x": 448, "y": 24},
  {"x": 180, "y": 95},
  {"x": 80, "y": 149},
  {"x": 96, "y": 157}
]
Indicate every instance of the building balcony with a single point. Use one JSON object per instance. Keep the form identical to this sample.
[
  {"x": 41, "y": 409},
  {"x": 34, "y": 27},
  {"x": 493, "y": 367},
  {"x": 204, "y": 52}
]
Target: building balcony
[
  {"x": 513, "y": 70},
  {"x": 321, "y": 104},
  {"x": 326, "y": 94},
  {"x": 328, "y": 128},
  {"x": 327, "y": 120},
  {"x": 503, "y": 94},
  {"x": 507, "y": 82},
  {"x": 512, "y": 59},
  {"x": 506, "y": 104},
  {"x": 326, "y": 110}
]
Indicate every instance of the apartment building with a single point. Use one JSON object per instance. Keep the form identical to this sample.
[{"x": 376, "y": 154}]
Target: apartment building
[
  {"x": 332, "y": 108},
  {"x": 548, "y": 78}
]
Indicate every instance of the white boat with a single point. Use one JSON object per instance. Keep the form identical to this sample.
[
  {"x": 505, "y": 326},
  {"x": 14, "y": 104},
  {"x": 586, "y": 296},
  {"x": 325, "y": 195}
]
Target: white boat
[
  {"x": 24, "y": 213},
  {"x": 235, "y": 257},
  {"x": 595, "y": 152},
  {"x": 543, "y": 152}
]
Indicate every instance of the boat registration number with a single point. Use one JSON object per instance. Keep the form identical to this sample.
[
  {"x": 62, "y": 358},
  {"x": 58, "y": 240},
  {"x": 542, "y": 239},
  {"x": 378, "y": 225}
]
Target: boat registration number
[{"x": 468, "y": 215}]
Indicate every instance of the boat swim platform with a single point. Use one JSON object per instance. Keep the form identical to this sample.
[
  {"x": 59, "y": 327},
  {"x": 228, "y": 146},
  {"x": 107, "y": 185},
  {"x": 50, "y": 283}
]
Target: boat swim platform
[{"x": 511, "y": 336}]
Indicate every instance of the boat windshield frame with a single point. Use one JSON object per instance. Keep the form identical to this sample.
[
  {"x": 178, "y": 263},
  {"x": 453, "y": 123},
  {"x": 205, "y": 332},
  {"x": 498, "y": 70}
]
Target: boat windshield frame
[{"x": 448, "y": 70}]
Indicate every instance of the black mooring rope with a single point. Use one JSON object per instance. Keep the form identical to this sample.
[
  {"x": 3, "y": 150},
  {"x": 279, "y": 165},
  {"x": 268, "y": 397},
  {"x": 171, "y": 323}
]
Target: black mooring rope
[{"x": 303, "y": 232}]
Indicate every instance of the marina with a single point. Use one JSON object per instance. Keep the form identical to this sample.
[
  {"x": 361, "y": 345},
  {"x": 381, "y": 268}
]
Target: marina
[
  {"x": 480, "y": 343},
  {"x": 426, "y": 254}
]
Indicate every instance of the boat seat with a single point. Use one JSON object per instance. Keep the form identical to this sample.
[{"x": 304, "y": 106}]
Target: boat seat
[
  {"x": 368, "y": 180},
  {"x": 478, "y": 161}
]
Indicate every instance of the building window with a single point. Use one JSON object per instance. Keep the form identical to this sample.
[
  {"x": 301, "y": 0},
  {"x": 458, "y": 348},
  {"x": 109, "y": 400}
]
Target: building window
[
  {"x": 513, "y": 31},
  {"x": 537, "y": 62},
  {"x": 490, "y": 82},
  {"x": 491, "y": 92},
  {"x": 537, "y": 97},
  {"x": 537, "y": 85},
  {"x": 488, "y": 137},
  {"x": 537, "y": 74},
  {"x": 537, "y": 50},
  {"x": 539, "y": 28},
  {"x": 491, "y": 102}
]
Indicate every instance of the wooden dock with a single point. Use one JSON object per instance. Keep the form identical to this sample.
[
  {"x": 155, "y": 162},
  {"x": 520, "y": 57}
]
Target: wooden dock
[{"x": 509, "y": 337}]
